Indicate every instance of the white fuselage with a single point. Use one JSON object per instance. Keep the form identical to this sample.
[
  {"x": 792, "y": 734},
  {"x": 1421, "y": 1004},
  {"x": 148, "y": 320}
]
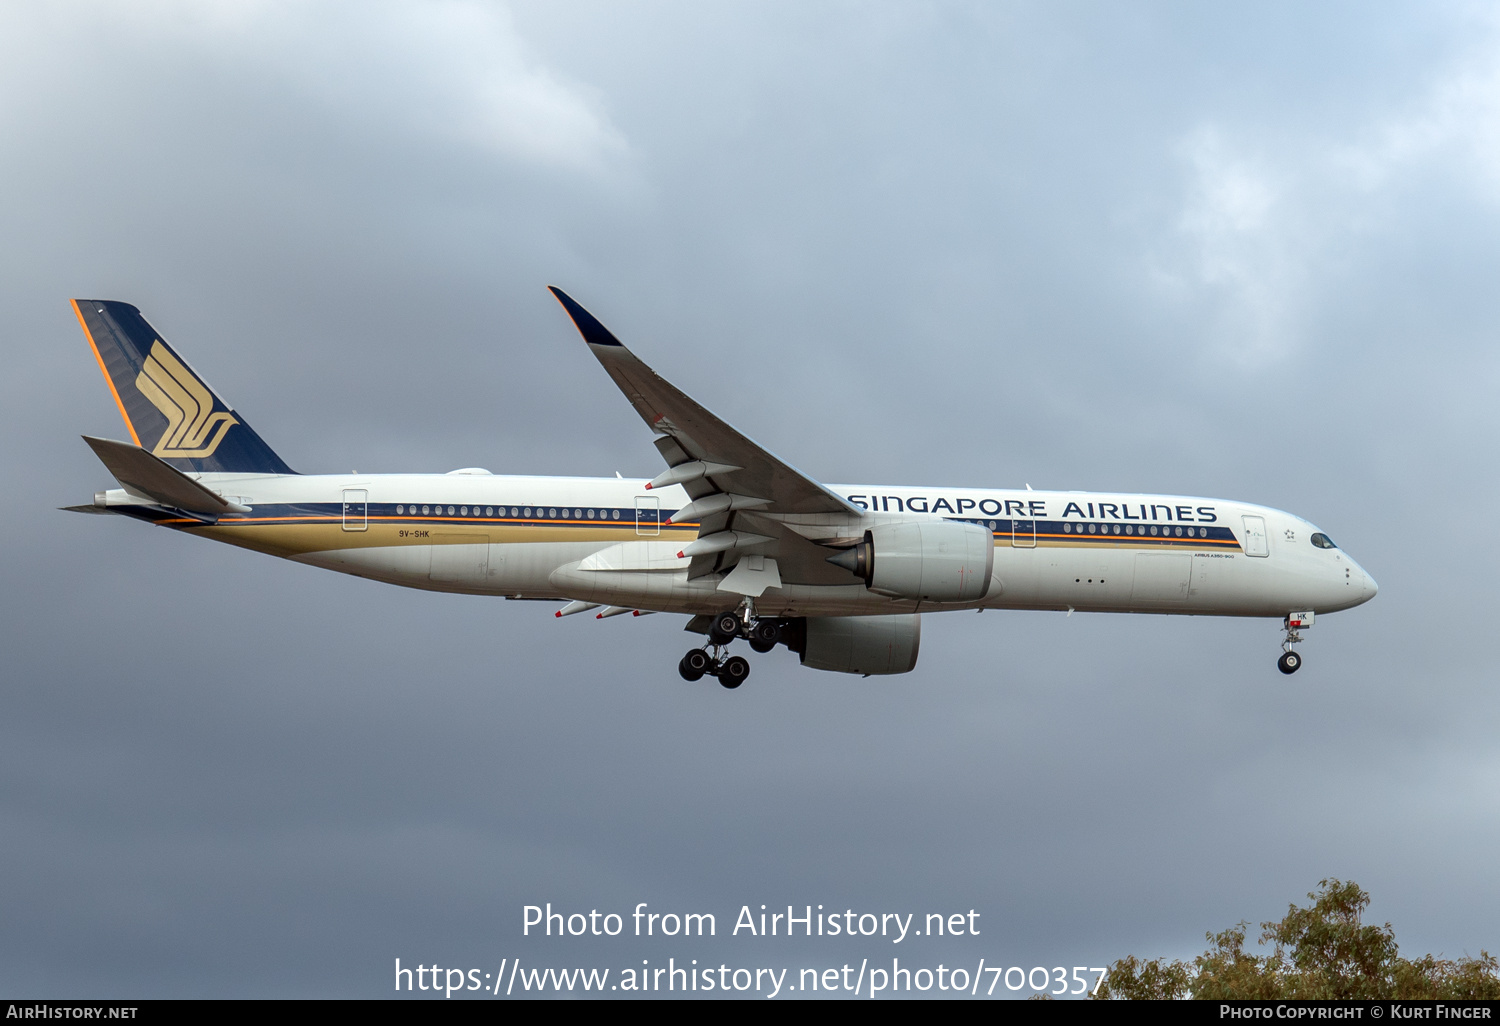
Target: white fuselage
[{"x": 606, "y": 540}]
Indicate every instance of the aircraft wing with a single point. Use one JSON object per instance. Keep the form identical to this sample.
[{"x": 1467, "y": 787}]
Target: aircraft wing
[{"x": 729, "y": 478}]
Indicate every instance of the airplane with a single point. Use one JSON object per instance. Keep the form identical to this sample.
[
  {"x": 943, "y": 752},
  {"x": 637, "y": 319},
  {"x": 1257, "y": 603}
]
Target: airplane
[{"x": 744, "y": 544}]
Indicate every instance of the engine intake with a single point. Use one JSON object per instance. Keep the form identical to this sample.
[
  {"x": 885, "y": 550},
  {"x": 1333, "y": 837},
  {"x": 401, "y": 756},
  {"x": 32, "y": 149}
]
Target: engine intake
[{"x": 933, "y": 561}]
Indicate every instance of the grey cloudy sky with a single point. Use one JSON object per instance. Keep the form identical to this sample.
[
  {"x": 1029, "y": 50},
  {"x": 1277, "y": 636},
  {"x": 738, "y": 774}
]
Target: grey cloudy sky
[{"x": 1246, "y": 253}]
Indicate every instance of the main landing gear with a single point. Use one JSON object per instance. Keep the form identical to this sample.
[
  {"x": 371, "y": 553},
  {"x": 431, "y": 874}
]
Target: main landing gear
[
  {"x": 732, "y": 671},
  {"x": 1290, "y": 661}
]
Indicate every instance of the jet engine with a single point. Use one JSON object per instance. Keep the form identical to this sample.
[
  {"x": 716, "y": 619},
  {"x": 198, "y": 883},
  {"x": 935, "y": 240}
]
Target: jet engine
[
  {"x": 931, "y": 560},
  {"x": 856, "y": 644}
]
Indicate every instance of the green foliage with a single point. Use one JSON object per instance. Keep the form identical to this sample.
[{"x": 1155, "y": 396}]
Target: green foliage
[
  {"x": 1320, "y": 952},
  {"x": 1130, "y": 979},
  {"x": 1227, "y": 971}
]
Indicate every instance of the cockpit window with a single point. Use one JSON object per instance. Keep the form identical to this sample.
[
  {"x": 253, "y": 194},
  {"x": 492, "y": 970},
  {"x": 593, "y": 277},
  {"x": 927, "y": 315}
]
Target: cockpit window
[{"x": 1322, "y": 541}]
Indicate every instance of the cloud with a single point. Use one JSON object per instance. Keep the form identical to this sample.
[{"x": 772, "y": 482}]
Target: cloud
[
  {"x": 1238, "y": 244},
  {"x": 1264, "y": 213},
  {"x": 456, "y": 72}
]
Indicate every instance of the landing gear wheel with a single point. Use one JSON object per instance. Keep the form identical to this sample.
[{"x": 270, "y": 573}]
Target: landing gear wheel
[
  {"x": 734, "y": 671},
  {"x": 1290, "y": 662},
  {"x": 764, "y": 635},
  {"x": 725, "y": 628},
  {"x": 694, "y": 665}
]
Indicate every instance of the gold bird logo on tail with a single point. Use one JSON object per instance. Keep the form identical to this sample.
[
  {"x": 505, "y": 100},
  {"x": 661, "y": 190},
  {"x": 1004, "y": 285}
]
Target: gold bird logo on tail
[{"x": 186, "y": 403}]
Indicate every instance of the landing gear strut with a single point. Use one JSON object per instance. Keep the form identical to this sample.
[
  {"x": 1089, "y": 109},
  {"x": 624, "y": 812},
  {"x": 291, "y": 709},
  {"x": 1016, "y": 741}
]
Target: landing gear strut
[{"x": 1290, "y": 661}]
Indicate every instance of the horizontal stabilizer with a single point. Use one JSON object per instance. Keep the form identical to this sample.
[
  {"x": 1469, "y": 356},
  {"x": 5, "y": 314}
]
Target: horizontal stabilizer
[
  {"x": 97, "y": 510},
  {"x": 144, "y": 474}
]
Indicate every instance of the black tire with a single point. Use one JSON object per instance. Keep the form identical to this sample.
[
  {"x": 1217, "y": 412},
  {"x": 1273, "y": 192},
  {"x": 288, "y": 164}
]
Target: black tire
[
  {"x": 725, "y": 628},
  {"x": 694, "y": 665},
  {"x": 734, "y": 671},
  {"x": 1290, "y": 662},
  {"x": 767, "y": 632}
]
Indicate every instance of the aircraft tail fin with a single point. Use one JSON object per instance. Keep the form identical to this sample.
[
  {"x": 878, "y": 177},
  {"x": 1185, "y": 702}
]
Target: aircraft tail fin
[{"x": 170, "y": 411}]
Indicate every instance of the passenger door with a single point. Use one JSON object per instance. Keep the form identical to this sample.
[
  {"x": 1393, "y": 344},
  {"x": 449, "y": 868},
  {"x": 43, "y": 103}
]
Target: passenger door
[
  {"x": 356, "y": 511},
  {"x": 647, "y": 515},
  {"x": 1023, "y": 534},
  {"x": 1256, "y": 543}
]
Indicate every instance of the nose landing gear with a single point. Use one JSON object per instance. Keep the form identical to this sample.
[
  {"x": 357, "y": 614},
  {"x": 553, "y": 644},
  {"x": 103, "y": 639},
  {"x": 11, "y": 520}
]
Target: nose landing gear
[{"x": 1290, "y": 662}]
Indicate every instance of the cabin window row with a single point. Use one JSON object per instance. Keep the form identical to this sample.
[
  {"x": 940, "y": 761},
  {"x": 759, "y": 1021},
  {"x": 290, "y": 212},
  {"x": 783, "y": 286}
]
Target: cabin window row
[
  {"x": 548, "y": 513},
  {"x": 1166, "y": 532}
]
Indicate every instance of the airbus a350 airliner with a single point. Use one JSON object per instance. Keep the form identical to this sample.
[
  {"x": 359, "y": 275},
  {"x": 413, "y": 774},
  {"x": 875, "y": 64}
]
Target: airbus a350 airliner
[{"x": 741, "y": 542}]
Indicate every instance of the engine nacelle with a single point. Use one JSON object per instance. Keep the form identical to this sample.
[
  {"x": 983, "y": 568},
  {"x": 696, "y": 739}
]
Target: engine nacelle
[
  {"x": 857, "y": 644},
  {"x": 930, "y": 560}
]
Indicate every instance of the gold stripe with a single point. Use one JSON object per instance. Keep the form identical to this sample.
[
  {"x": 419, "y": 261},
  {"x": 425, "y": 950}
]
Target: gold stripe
[{"x": 292, "y": 539}]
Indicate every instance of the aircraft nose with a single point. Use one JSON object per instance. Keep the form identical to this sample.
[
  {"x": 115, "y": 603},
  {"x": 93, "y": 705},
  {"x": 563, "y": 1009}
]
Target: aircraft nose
[{"x": 1370, "y": 586}]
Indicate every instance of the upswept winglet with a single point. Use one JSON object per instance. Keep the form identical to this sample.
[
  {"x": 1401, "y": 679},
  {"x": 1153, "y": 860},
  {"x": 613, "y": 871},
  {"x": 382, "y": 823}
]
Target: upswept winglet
[
  {"x": 747, "y": 468},
  {"x": 736, "y": 489}
]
